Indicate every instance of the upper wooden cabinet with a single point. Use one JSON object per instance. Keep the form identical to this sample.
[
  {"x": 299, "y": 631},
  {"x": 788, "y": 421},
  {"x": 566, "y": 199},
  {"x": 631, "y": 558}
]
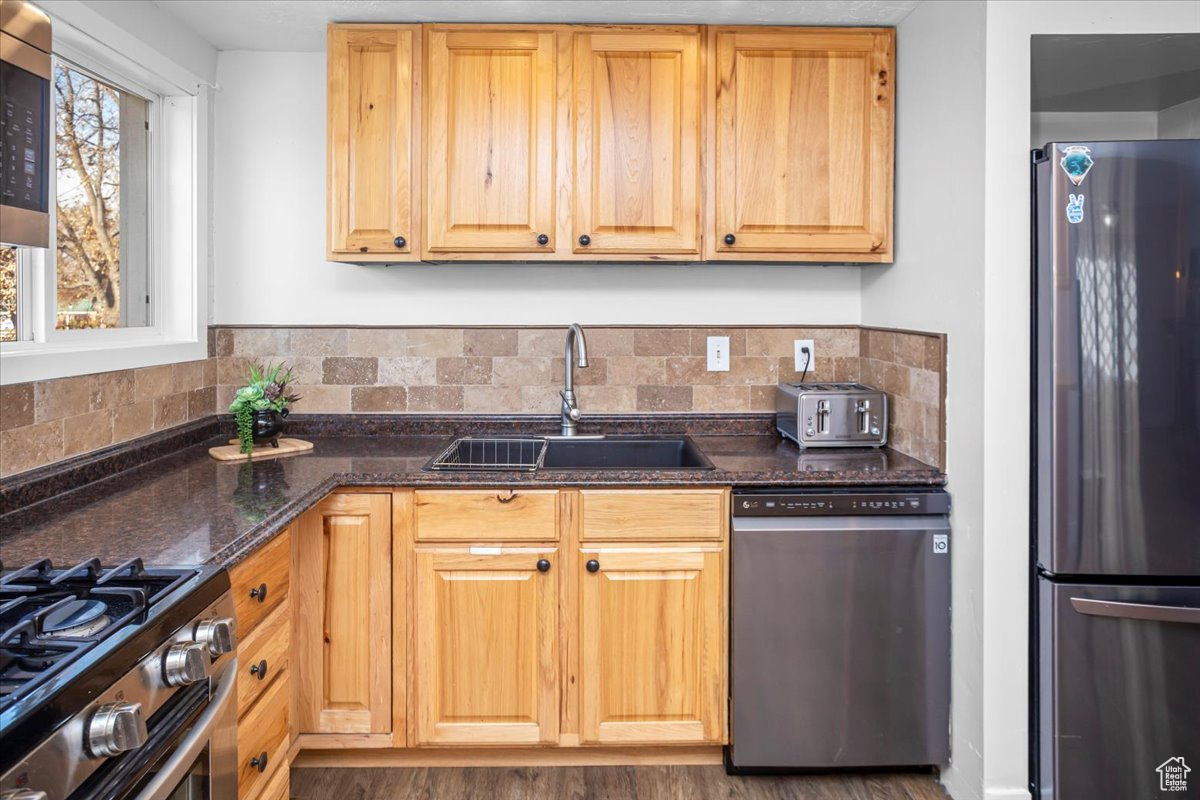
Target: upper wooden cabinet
[
  {"x": 491, "y": 100},
  {"x": 610, "y": 143},
  {"x": 637, "y": 100},
  {"x": 341, "y": 568},
  {"x": 802, "y": 144},
  {"x": 373, "y": 143}
]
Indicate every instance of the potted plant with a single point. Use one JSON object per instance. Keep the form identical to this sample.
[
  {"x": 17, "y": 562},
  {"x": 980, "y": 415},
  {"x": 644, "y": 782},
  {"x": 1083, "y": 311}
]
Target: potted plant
[{"x": 260, "y": 406}]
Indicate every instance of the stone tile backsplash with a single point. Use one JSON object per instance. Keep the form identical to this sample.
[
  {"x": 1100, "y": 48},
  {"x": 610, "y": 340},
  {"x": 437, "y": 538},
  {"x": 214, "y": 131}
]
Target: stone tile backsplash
[{"x": 478, "y": 370}]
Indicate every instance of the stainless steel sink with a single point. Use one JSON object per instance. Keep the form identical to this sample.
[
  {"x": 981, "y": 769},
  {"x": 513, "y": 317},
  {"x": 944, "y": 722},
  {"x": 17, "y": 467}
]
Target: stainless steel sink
[{"x": 634, "y": 453}]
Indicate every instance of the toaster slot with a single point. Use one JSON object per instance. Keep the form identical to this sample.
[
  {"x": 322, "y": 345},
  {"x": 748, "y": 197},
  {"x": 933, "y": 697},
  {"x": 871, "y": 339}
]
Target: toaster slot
[
  {"x": 862, "y": 410},
  {"x": 823, "y": 412}
]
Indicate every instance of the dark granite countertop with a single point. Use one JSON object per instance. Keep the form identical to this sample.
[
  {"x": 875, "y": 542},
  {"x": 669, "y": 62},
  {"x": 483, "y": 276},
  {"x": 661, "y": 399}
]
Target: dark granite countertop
[{"x": 186, "y": 508}]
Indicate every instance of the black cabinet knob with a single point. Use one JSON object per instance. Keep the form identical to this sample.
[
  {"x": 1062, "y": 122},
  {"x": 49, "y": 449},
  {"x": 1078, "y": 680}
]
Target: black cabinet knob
[
  {"x": 730, "y": 238},
  {"x": 543, "y": 565},
  {"x": 259, "y": 670},
  {"x": 400, "y": 241},
  {"x": 543, "y": 239},
  {"x": 260, "y": 761},
  {"x": 259, "y": 594},
  {"x": 593, "y": 565},
  {"x": 584, "y": 239}
]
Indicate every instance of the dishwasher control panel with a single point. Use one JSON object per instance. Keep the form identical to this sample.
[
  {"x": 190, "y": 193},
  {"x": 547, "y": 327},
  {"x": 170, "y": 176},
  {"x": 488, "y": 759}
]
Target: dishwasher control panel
[{"x": 809, "y": 504}]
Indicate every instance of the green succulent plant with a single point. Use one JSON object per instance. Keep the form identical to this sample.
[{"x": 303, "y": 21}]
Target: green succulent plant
[{"x": 266, "y": 389}]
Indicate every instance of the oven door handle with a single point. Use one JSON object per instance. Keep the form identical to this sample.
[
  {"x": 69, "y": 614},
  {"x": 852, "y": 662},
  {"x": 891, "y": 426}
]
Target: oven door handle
[{"x": 188, "y": 750}]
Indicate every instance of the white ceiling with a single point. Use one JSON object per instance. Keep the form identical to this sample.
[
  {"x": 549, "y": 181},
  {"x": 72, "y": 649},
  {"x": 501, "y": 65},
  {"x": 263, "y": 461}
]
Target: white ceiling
[{"x": 300, "y": 24}]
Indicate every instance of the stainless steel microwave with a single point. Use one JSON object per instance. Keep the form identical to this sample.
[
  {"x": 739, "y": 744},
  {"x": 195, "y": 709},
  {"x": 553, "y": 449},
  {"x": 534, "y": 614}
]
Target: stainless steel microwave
[{"x": 25, "y": 124}]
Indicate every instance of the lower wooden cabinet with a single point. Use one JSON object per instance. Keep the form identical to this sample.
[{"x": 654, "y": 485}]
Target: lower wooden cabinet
[
  {"x": 342, "y": 604},
  {"x": 652, "y": 644},
  {"x": 486, "y": 653}
]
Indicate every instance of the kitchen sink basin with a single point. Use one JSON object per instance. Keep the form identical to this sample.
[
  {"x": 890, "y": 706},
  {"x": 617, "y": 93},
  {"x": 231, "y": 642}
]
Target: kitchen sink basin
[{"x": 658, "y": 452}]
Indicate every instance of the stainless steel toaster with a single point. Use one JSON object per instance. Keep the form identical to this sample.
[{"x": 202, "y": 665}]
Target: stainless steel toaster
[{"x": 832, "y": 414}]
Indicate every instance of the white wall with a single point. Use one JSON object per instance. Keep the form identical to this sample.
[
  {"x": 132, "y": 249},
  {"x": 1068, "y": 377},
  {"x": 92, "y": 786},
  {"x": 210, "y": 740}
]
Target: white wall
[
  {"x": 1006, "y": 343},
  {"x": 1091, "y": 126},
  {"x": 937, "y": 284},
  {"x": 1181, "y": 121},
  {"x": 269, "y": 242}
]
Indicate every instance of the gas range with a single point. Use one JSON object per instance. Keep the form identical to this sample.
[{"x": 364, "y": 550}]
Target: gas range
[{"x": 104, "y": 671}]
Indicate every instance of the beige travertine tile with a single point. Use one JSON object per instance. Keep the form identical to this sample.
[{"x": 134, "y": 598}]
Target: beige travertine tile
[
  {"x": 907, "y": 414},
  {"x": 16, "y": 405},
  {"x": 743, "y": 370},
  {"x": 607, "y": 400},
  {"x": 636, "y": 370},
  {"x": 541, "y": 400},
  {"x": 737, "y": 340},
  {"x": 762, "y": 398},
  {"x": 881, "y": 345},
  {"x": 225, "y": 398},
  {"x": 319, "y": 342},
  {"x": 306, "y": 369},
  {"x": 926, "y": 387},
  {"x": 407, "y": 371},
  {"x": 433, "y": 342},
  {"x": 490, "y": 342},
  {"x": 522, "y": 371},
  {"x": 131, "y": 421},
  {"x": 934, "y": 354},
  {"x": 778, "y": 342},
  {"x": 378, "y": 398},
  {"x": 234, "y": 371},
  {"x": 170, "y": 411},
  {"x": 835, "y": 342},
  {"x": 187, "y": 375},
  {"x": 30, "y": 446},
  {"x": 112, "y": 389},
  {"x": 664, "y": 398},
  {"x": 261, "y": 343},
  {"x": 609, "y": 341},
  {"x": 492, "y": 399},
  {"x": 458, "y": 370},
  {"x": 662, "y": 342},
  {"x": 350, "y": 371},
  {"x": 202, "y": 402},
  {"x": 224, "y": 343},
  {"x": 595, "y": 374},
  {"x": 210, "y": 372},
  {"x": 542, "y": 342},
  {"x": 720, "y": 398},
  {"x": 153, "y": 382},
  {"x": 62, "y": 397},
  {"x": 87, "y": 432},
  {"x": 910, "y": 350},
  {"x": 320, "y": 399},
  {"x": 435, "y": 398}
]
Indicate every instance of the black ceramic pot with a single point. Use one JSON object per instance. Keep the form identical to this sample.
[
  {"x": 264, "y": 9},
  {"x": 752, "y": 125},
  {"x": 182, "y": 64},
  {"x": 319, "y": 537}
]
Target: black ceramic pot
[{"x": 267, "y": 426}]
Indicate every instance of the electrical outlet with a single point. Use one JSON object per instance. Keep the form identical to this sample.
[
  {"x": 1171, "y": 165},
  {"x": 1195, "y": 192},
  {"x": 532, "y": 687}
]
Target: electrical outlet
[
  {"x": 803, "y": 359},
  {"x": 718, "y": 354}
]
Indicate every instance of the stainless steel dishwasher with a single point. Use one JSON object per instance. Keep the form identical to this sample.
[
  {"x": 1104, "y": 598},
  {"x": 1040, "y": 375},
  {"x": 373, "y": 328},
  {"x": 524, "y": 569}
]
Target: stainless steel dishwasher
[{"x": 840, "y": 630}]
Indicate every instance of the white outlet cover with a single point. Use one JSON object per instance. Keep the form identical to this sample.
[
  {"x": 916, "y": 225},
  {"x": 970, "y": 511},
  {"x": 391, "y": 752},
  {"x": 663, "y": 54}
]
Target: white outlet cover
[
  {"x": 718, "y": 354},
  {"x": 810, "y": 358}
]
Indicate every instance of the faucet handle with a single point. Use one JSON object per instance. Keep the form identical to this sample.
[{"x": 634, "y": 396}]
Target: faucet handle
[{"x": 570, "y": 408}]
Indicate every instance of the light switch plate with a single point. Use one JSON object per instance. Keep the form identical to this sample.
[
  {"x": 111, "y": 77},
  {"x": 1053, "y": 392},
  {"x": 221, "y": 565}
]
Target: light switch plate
[
  {"x": 810, "y": 358},
  {"x": 718, "y": 354}
]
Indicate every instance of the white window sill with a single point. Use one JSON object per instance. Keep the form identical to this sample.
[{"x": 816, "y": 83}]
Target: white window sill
[{"x": 38, "y": 361}]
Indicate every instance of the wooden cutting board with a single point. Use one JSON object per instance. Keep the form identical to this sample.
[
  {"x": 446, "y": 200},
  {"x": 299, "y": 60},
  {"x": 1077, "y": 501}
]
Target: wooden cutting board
[{"x": 232, "y": 451}]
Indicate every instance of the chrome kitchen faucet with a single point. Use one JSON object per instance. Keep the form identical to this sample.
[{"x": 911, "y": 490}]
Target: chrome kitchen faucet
[{"x": 570, "y": 411}]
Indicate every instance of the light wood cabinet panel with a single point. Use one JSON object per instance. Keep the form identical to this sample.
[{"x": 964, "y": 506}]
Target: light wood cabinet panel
[
  {"x": 260, "y": 583},
  {"x": 263, "y": 656},
  {"x": 372, "y": 107},
  {"x": 263, "y": 740},
  {"x": 342, "y": 603},
  {"x": 620, "y": 514},
  {"x": 652, "y": 644},
  {"x": 488, "y": 515},
  {"x": 490, "y": 150},
  {"x": 637, "y": 101},
  {"x": 802, "y": 146},
  {"x": 278, "y": 786},
  {"x": 486, "y": 647}
]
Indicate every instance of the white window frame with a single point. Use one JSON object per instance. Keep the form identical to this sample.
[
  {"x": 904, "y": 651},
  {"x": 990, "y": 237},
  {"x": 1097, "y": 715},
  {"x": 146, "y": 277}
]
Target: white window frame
[{"x": 177, "y": 226}]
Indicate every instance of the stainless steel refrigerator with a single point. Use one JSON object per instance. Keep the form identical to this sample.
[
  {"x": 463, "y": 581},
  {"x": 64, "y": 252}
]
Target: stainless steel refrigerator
[{"x": 1115, "y": 706}]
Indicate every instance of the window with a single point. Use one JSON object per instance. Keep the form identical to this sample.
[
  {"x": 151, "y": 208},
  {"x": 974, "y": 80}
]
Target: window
[
  {"x": 8, "y": 294},
  {"x": 101, "y": 214}
]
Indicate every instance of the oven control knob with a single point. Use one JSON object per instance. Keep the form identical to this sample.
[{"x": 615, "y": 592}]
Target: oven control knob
[
  {"x": 185, "y": 663},
  {"x": 23, "y": 794},
  {"x": 218, "y": 634},
  {"x": 115, "y": 728}
]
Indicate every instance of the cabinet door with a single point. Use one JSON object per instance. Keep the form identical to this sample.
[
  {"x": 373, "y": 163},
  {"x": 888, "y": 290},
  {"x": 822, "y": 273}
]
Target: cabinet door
[
  {"x": 637, "y": 141},
  {"x": 652, "y": 644},
  {"x": 372, "y": 138},
  {"x": 803, "y": 144},
  {"x": 486, "y": 646},
  {"x": 342, "y": 601},
  {"x": 490, "y": 144}
]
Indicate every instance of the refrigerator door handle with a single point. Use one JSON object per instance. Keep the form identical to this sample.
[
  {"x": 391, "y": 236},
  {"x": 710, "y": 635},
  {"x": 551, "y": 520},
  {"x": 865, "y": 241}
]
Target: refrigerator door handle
[{"x": 1145, "y": 611}]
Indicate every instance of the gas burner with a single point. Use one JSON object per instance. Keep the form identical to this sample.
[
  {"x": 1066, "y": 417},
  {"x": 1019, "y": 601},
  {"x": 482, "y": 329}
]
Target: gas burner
[{"x": 76, "y": 618}]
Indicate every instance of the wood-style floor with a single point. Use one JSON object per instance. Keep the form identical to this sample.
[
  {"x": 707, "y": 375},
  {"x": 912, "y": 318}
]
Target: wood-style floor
[{"x": 599, "y": 783}]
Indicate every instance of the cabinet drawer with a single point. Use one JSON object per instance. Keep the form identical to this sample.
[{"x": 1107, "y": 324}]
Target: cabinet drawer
[
  {"x": 260, "y": 582},
  {"x": 265, "y": 652},
  {"x": 487, "y": 515},
  {"x": 654, "y": 514},
  {"x": 278, "y": 786},
  {"x": 262, "y": 734}
]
